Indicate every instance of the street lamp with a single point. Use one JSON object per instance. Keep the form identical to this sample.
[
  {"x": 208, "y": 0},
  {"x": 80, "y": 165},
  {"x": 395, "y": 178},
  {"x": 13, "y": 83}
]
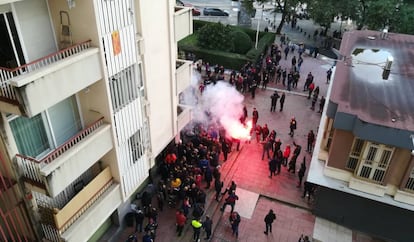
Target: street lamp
[{"x": 258, "y": 27}]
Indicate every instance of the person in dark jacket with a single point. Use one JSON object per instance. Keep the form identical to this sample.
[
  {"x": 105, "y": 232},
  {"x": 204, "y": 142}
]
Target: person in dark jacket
[
  {"x": 218, "y": 185},
  {"x": 207, "y": 226},
  {"x": 269, "y": 218},
  {"x": 235, "y": 222},
  {"x": 273, "y": 102},
  {"x": 301, "y": 172},
  {"x": 139, "y": 220},
  {"x": 282, "y": 101},
  {"x": 272, "y": 167}
]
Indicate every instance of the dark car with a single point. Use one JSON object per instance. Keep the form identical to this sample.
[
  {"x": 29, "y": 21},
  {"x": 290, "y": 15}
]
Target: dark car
[
  {"x": 214, "y": 12},
  {"x": 194, "y": 10}
]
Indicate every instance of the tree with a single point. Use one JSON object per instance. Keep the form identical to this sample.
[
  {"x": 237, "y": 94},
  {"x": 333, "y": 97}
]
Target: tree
[
  {"x": 323, "y": 12},
  {"x": 286, "y": 7},
  {"x": 215, "y": 36},
  {"x": 406, "y": 19}
]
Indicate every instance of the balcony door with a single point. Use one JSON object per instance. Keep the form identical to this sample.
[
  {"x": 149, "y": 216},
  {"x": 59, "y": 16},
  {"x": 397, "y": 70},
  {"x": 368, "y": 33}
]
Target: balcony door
[
  {"x": 11, "y": 54},
  {"x": 37, "y": 136}
]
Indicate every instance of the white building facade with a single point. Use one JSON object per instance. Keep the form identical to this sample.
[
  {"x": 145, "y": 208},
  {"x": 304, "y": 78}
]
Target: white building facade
[{"x": 89, "y": 97}]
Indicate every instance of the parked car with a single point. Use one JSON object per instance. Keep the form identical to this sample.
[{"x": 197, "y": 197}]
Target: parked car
[
  {"x": 214, "y": 12},
  {"x": 195, "y": 11}
]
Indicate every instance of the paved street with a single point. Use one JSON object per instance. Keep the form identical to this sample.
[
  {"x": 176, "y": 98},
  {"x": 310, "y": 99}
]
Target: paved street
[{"x": 258, "y": 193}]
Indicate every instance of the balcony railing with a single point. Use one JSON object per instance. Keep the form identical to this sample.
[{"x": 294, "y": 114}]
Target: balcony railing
[
  {"x": 65, "y": 217},
  {"x": 31, "y": 166},
  {"x": 6, "y": 74}
]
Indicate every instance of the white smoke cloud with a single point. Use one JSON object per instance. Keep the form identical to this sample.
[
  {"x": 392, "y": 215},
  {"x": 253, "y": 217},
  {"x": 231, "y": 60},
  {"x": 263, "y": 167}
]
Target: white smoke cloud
[{"x": 220, "y": 103}]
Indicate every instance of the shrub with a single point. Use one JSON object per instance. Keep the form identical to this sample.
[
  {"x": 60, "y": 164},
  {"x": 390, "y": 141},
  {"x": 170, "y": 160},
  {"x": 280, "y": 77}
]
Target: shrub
[
  {"x": 215, "y": 36},
  {"x": 241, "y": 42}
]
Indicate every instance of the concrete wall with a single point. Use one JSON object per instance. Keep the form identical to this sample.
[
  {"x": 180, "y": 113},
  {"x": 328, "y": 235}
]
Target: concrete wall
[
  {"x": 82, "y": 20},
  {"x": 159, "y": 60},
  {"x": 387, "y": 222},
  {"x": 398, "y": 167},
  {"x": 34, "y": 28},
  {"x": 339, "y": 149}
]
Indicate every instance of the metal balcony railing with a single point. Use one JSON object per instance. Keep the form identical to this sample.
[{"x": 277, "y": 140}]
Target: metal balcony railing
[
  {"x": 31, "y": 166},
  {"x": 6, "y": 74}
]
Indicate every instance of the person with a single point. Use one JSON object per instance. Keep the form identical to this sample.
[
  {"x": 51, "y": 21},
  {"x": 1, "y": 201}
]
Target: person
[
  {"x": 258, "y": 132},
  {"x": 207, "y": 226},
  {"x": 224, "y": 148},
  {"x": 267, "y": 147},
  {"x": 253, "y": 87},
  {"x": 282, "y": 39},
  {"x": 292, "y": 126},
  {"x": 328, "y": 75},
  {"x": 234, "y": 222},
  {"x": 310, "y": 89},
  {"x": 132, "y": 238},
  {"x": 269, "y": 218},
  {"x": 272, "y": 167},
  {"x": 292, "y": 163},
  {"x": 321, "y": 104},
  {"x": 147, "y": 237},
  {"x": 309, "y": 80},
  {"x": 311, "y": 139},
  {"x": 301, "y": 172},
  {"x": 198, "y": 210},
  {"x": 139, "y": 220},
  {"x": 293, "y": 61},
  {"x": 231, "y": 188},
  {"x": 304, "y": 238},
  {"x": 274, "y": 99},
  {"x": 151, "y": 228},
  {"x": 286, "y": 50},
  {"x": 255, "y": 115},
  {"x": 230, "y": 200},
  {"x": 286, "y": 154},
  {"x": 208, "y": 177},
  {"x": 314, "y": 100},
  {"x": 308, "y": 190},
  {"x": 180, "y": 220},
  {"x": 218, "y": 185},
  {"x": 282, "y": 101},
  {"x": 196, "y": 224},
  {"x": 265, "y": 132}
]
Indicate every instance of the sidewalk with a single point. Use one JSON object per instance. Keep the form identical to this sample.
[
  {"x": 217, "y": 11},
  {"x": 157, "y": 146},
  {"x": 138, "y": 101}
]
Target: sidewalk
[{"x": 258, "y": 193}]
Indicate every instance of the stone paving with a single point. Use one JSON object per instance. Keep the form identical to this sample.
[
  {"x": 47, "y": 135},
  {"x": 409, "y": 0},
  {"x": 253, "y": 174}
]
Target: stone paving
[{"x": 259, "y": 192}]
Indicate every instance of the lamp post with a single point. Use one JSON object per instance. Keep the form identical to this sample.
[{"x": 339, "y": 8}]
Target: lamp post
[{"x": 258, "y": 28}]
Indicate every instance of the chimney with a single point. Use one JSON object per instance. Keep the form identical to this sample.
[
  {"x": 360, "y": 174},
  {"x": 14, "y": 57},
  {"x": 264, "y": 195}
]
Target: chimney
[{"x": 387, "y": 68}]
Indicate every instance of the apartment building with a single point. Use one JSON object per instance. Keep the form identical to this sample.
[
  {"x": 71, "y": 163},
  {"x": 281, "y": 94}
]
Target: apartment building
[
  {"x": 363, "y": 161},
  {"x": 89, "y": 97}
]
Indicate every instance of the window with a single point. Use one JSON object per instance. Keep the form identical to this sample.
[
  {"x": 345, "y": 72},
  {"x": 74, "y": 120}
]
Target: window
[
  {"x": 30, "y": 135},
  {"x": 136, "y": 145},
  {"x": 124, "y": 86},
  {"x": 375, "y": 162},
  {"x": 38, "y": 135},
  {"x": 410, "y": 182},
  {"x": 355, "y": 154}
]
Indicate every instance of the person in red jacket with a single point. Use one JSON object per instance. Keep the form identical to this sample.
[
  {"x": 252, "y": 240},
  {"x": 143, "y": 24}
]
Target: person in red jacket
[
  {"x": 180, "y": 220},
  {"x": 286, "y": 154}
]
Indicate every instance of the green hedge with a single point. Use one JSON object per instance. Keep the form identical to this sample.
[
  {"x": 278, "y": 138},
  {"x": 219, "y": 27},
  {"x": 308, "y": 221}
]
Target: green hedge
[
  {"x": 198, "y": 24},
  {"x": 228, "y": 60},
  {"x": 264, "y": 42}
]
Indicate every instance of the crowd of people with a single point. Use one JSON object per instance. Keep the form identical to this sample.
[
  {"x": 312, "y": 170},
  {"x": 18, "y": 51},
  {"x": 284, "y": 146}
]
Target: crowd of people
[{"x": 192, "y": 166}]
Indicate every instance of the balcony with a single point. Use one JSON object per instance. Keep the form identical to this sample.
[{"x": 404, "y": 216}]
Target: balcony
[
  {"x": 32, "y": 88},
  {"x": 183, "y": 23},
  {"x": 63, "y": 165},
  {"x": 184, "y": 116},
  {"x": 183, "y": 74},
  {"x": 95, "y": 202}
]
